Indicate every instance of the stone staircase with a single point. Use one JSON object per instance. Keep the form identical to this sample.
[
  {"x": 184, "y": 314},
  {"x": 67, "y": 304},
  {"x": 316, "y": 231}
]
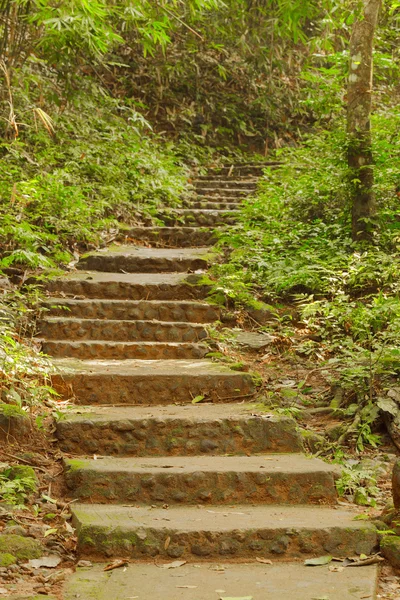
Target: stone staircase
[{"x": 159, "y": 474}]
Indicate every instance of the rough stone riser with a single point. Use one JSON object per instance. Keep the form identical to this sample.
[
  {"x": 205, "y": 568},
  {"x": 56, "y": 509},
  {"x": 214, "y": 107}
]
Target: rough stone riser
[
  {"x": 121, "y": 331},
  {"x": 199, "y": 219},
  {"x": 111, "y": 389},
  {"x": 133, "y": 264},
  {"x": 222, "y": 185},
  {"x": 120, "y": 351},
  {"x": 142, "y": 311},
  {"x": 174, "y": 437},
  {"x": 127, "y": 291},
  {"x": 115, "y": 487},
  {"x": 144, "y": 543},
  {"x": 224, "y": 192},
  {"x": 173, "y": 236}
]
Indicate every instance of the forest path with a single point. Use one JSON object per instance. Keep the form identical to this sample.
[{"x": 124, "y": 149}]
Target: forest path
[{"x": 165, "y": 460}]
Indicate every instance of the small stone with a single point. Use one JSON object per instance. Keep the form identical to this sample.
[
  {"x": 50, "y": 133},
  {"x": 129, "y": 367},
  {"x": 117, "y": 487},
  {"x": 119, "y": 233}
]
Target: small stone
[
  {"x": 175, "y": 551},
  {"x": 208, "y": 445},
  {"x": 16, "y": 530},
  {"x": 199, "y": 550},
  {"x": 84, "y": 564}
]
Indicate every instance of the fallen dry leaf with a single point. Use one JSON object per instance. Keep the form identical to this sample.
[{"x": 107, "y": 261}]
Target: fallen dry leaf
[
  {"x": 167, "y": 543},
  {"x": 264, "y": 561},
  {"x": 174, "y": 565},
  {"x": 116, "y": 564},
  {"x": 187, "y": 587}
]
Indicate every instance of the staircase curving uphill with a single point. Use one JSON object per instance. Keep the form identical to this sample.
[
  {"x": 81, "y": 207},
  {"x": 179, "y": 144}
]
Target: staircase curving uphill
[{"x": 160, "y": 478}]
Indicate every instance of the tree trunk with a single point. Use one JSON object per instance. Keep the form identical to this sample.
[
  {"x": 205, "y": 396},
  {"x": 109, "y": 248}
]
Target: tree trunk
[{"x": 359, "y": 120}]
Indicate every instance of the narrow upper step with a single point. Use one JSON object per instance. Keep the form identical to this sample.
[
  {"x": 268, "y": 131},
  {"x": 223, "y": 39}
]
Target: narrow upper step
[
  {"x": 130, "y": 286},
  {"x": 136, "y": 259},
  {"x": 176, "y": 430},
  {"x": 201, "y": 581},
  {"x": 211, "y": 532},
  {"x": 148, "y": 382},
  {"x": 268, "y": 479}
]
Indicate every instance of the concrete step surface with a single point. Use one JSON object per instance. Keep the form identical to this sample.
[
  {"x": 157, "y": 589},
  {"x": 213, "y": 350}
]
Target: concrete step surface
[
  {"x": 210, "y": 429},
  {"x": 136, "y": 259},
  {"x": 100, "y": 349},
  {"x": 266, "y": 479},
  {"x": 135, "y": 382},
  {"x": 160, "y": 310},
  {"x": 218, "y": 532},
  {"x": 212, "y": 581},
  {"x": 129, "y": 286}
]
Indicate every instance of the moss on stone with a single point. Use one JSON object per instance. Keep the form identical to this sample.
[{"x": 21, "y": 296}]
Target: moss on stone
[
  {"x": 11, "y": 410},
  {"x": 23, "y": 548},
  {"x": 7, "y": 559}
]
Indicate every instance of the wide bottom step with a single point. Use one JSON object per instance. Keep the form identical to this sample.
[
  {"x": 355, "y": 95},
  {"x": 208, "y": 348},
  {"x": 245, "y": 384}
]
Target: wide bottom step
[
  {"x": 213, "y": 532},
  {"x": 209, "y": 581}
]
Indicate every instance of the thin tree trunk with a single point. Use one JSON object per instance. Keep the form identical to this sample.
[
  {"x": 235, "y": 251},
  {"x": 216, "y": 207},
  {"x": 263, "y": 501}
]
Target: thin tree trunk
[{"x": 359, "y": 94}]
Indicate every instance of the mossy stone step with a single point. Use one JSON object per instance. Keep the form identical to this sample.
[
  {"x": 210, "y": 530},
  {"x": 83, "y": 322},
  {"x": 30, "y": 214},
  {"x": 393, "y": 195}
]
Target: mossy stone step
[
  {"x": 266, "y": 479},
  {"x": 217, "y": 205},
  {"x": 233, "y": 184},
  {"x": 178, "y": 236},
  {"x": 136, "y": 259},
  {"x": 225, "y": 192},
  {"x": 61, "y": 328},
  {"x": 161, "y": 310},
  {"x": 131, "y": 382},
  {"x": 198, "y": 217},
  {"x": 129, "y": 286},
  {"x": 212, "y": 532},
  {"x": 91, "y": 350},
  {"x": 176, "y": 431}
]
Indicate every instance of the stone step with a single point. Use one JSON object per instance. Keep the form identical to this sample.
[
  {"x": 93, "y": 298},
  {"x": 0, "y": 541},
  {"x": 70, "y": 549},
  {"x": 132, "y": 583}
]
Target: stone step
[
  {"x": 62, "y": 328},
  {"x": 233, "y": 184},
  {"x": 226, "y": 192},
  {"x": 173, "y": 236},
  {"x": 225, "y": 206},
  {"x": 136, "y": 259},
  {"x": 176, "y": 430},
  {"x": 160, "y": 310},
  {"x": 90, "y": 350},
  {"x": 202, "y": 580},
  {"x": 192, "y": 532},
  {"x": 224, "y": 198},
  {"x": 268, "y": 479},
  {"x": 197, "y": 217},
  {"x": 148, "y": 382},
  {"x": 129, "y": 286}
]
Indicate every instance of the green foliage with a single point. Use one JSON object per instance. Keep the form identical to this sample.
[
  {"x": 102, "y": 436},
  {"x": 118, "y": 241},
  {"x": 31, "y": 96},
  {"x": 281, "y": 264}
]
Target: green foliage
[
  {"x": 293, "y": 244},
  {"x": 64, "y": 193},
  {"x": 16, "y": 484},
  {"x": 24, "y": 372}
]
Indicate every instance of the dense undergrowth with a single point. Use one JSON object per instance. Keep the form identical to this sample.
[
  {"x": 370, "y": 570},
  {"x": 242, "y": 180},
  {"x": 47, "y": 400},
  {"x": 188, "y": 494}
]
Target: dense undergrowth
[{"x": 335, "y": 302}]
